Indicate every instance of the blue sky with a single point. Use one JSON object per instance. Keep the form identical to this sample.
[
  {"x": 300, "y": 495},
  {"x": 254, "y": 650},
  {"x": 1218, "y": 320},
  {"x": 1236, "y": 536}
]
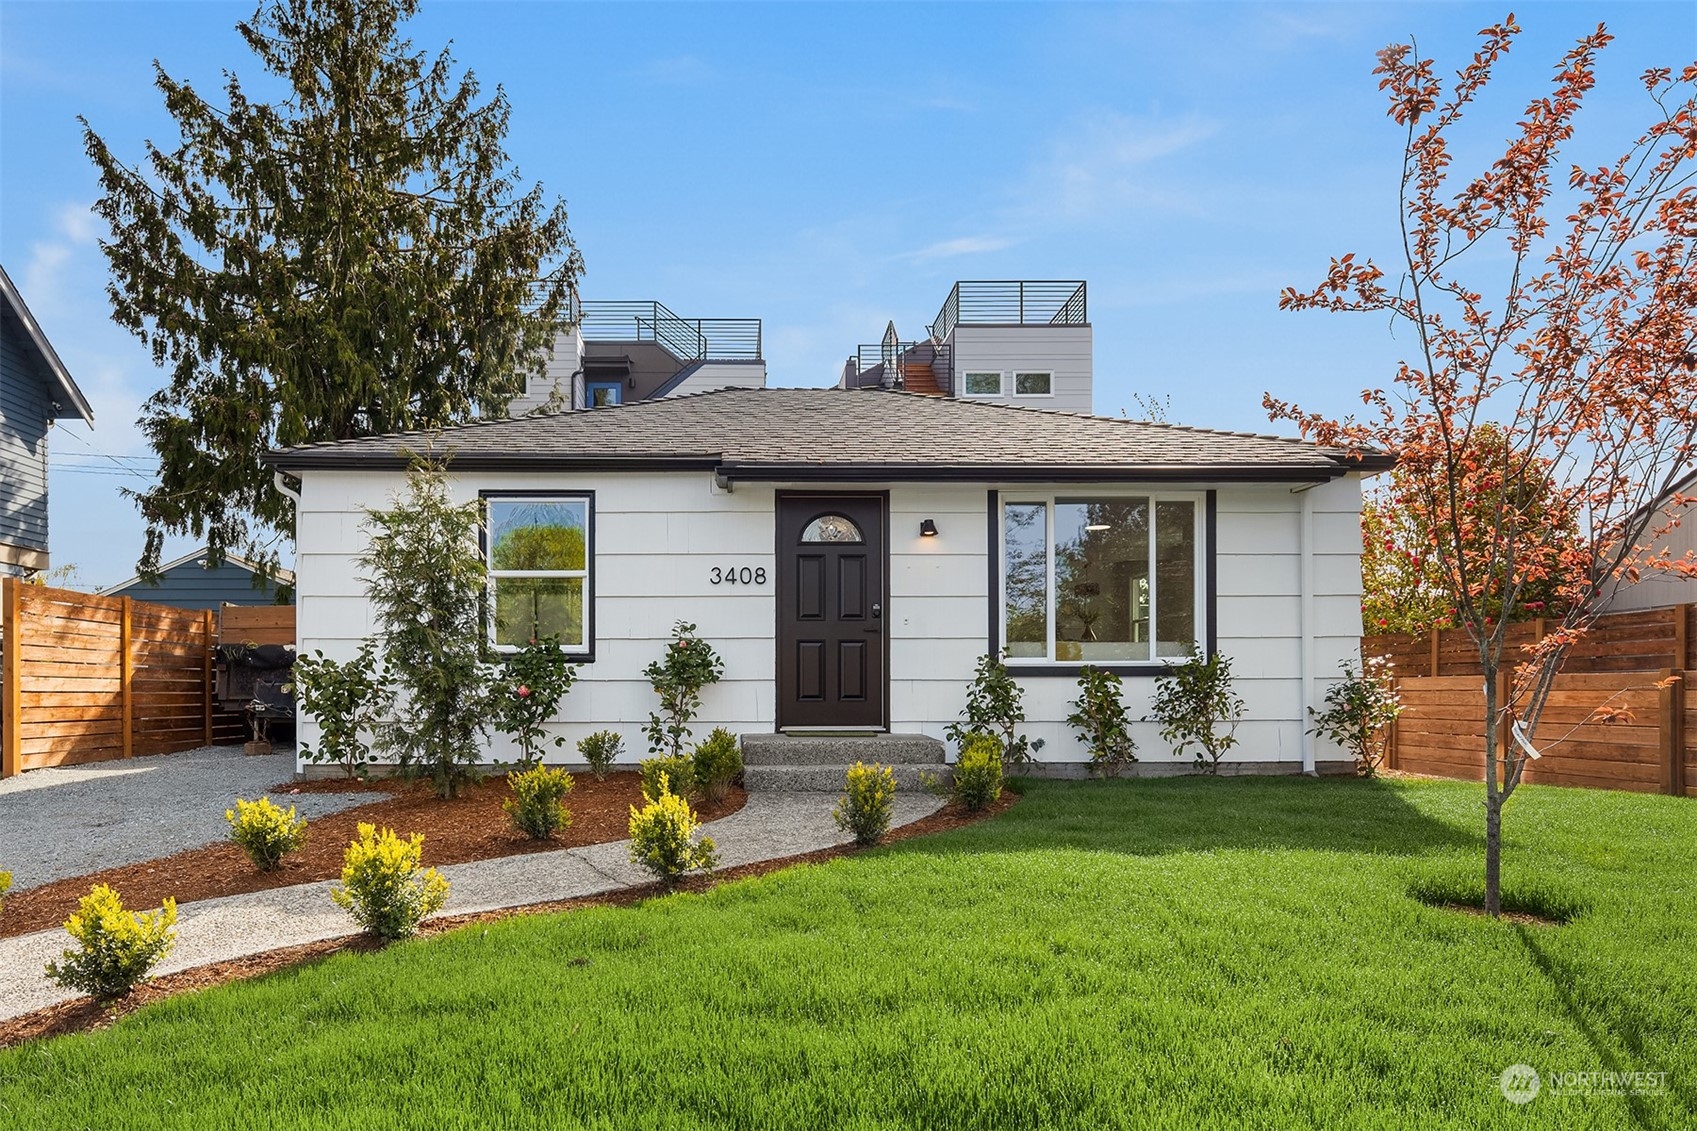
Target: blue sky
[{"x": 828, "y": 168}]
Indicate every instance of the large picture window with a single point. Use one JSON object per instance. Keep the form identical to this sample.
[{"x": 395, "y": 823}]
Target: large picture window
[
  {"x": 539, "y": 570},
  {"x": 1101, "y": 579}
]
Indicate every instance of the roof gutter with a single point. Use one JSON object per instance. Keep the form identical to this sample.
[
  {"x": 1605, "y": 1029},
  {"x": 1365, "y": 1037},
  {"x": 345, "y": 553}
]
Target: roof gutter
[{"x": 1028, "y": 473}]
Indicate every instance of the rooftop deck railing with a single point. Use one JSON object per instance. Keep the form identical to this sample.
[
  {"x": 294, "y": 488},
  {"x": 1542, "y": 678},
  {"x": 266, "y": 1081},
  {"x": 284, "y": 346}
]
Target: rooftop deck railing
[
  {"x": 690, "y": 339},
  {"x": 1011, "y": 302}
]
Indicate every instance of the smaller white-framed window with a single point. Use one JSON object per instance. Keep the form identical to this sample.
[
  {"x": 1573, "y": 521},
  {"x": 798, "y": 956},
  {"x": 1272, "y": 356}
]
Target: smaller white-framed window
[
  {"x": 982, "y": 384},
  {"x": 538, "y": 554},
  {"x": 1034, "y": 384}
]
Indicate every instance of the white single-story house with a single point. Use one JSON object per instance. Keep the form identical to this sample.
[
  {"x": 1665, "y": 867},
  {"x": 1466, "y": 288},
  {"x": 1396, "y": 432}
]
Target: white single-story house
[{"x": 852, "y": 552}]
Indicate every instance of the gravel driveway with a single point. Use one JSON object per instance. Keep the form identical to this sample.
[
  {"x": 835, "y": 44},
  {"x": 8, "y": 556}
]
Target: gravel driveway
[{"x": 70, "y": 821}]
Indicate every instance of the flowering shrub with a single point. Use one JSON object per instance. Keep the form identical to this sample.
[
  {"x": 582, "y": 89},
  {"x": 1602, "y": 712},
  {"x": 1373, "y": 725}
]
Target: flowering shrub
[
  {"x": 677, "y": 770},
  {"x": 718, "y": 764},
  {"x": 1197, "y": 708},
  {"x": 527, "y": 695},
  {"x": 1359, "y": 712},
  {"x": 342, "y": 698},
  {"x": 995, "y": 705},
  {"x": 601, "y": 750},
  {"x": 978, "y": 771},
  {"x": 677, "y": 678},
  {"x": 383, "y": 886},
  {"x": 537, "y": 807},
  {"x": 866, "y": 804},
  {"x": 118, "y": 947},
  {"x": 265, "y": 832},
  {"x": 662, "y": 836}
]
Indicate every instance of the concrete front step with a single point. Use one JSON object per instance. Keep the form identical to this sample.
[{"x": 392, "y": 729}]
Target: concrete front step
[
  {"x": 829, "y": 779},
  {"x": 840, "y": 750}
]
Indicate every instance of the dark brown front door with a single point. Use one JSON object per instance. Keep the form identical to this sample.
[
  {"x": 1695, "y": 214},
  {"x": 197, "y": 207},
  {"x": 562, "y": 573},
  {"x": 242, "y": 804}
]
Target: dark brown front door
[{"x": 831, "y": 570}]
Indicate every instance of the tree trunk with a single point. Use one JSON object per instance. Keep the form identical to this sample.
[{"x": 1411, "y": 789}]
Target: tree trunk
[{"x": 1493, "y": 854}]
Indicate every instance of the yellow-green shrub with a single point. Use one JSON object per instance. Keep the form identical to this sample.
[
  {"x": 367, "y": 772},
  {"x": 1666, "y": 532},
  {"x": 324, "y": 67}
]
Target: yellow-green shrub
[
  {"x": 601, "y": 750},
  {"x": 866, "y": 804},
  {"x": 5, "y": 886},
  {"x": 118, "y": 947},
  {"x": 662, "y": 836},
  {"x": 383, "y": 886},
  {"x": 978, "y": 771},
  {"x": 537, "y": 807},
  {"x": 265, "y": 832},
  {"x": 718, "y": 764},
  {"x": 678, "y": 770}
]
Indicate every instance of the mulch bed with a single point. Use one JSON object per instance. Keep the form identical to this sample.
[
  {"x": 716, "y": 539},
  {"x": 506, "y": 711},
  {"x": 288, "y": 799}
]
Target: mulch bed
[
  {"x": 84, "y": 1014},
  {"x": 470, "y": 827}
]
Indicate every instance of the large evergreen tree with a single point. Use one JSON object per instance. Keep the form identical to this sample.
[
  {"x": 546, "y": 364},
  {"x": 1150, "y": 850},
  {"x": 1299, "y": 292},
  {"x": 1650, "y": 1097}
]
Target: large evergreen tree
[{"x": 357, "y": 257}]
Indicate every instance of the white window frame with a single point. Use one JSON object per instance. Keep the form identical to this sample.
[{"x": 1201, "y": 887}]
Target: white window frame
[
  {"x": 1001, "y": 382},
  {"x": 1013, "y": 383},
  {"x": 587, "y": 647},
  {"x": 1199, "y": 501}
]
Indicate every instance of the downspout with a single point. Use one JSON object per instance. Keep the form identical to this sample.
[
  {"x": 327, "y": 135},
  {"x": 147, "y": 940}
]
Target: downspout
[
  {"x": 282, "y": 487},
  {"x": 1305, "y": 616}
]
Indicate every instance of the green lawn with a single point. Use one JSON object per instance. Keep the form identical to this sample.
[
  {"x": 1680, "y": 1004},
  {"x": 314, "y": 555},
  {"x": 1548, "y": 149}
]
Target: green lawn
[{"x": 1180, "y": 953}]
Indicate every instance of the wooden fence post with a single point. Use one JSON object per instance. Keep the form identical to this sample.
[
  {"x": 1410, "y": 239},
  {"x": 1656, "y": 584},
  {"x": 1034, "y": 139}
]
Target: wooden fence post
[
  {"x": 1682, "y": 657},
  {"x": 126, "y": 677},
  {"x": 1672, "y": 730},
  {"x": 11, "y": 705},
  {"x": 1434, "y": 647},
  {"x": 207, "y": 636},
  {"x": 1395, "y": 737}
]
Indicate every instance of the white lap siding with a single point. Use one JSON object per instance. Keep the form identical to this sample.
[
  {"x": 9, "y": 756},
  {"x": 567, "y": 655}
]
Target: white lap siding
[{"x": 658, "y": 537}]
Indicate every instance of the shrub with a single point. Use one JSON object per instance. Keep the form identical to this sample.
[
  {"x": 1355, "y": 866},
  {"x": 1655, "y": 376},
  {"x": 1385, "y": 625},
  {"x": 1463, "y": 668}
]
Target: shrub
[
  {"x": 5, "y": 886},
  {"x": 679, "y": 771},
  {"x": 265, "y": 832},
  {"x": 601, "y": 750},
  {"x": 527, "y": 695},
  {"x": 662, "y": 837},
  {"x": 677, "y": 678},
  {"x": 343, "y": 698},
  {"x": 383, "y": 886},
  {"x": 1359, "y": 712},
  {"x": 119, "y": 947},
  {"x": 537, "y": 807},
  {"x": 978, "y": 771},
  {"x": 867, "y": 802},
  {"x": 1196, "y": 707},
  {"x": 994, "y": 705},
  {"x": 718, "y": 764},
  {"x": 1098, "y": 718}
]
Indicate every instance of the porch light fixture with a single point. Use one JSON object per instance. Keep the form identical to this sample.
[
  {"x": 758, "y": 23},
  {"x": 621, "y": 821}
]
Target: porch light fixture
[{"x": 927, "y": 528}]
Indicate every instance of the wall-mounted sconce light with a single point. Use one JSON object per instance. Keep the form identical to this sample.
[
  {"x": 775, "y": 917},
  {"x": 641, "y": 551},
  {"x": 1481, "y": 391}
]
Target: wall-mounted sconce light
[{"x": 927, "y": 529}]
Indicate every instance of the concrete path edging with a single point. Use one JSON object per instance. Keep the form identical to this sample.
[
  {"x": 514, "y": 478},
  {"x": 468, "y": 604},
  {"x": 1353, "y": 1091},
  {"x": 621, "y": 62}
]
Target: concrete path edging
[{"x": 769, "y": 826}]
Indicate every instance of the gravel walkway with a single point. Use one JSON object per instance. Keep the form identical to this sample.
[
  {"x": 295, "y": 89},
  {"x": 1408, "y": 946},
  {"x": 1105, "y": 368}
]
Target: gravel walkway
[
  {"x": 75, "y": 820},
  {"x": 770, "y": 825}
]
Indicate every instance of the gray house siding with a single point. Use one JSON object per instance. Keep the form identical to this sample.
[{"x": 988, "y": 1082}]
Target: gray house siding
[
  {"x": 189, "y": 586},
  {"x": 24, "y": 413},
  {"x": 1064, "y": 351}
]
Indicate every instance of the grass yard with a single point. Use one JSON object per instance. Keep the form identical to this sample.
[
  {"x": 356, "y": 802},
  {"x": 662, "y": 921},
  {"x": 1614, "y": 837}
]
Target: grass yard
[{"x": 1176, "y": 953}]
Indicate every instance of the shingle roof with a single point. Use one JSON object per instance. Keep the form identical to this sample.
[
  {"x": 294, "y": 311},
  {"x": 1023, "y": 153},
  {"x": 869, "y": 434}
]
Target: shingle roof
[{"x": 800, "y": 434}]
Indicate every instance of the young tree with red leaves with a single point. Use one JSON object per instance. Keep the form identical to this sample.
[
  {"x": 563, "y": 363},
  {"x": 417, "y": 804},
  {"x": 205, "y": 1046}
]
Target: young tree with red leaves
[{"x": 1585, "y": 359}]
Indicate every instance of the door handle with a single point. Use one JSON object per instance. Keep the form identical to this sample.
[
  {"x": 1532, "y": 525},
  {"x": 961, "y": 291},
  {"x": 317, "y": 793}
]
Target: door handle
[{"x": 877, "y": 611}]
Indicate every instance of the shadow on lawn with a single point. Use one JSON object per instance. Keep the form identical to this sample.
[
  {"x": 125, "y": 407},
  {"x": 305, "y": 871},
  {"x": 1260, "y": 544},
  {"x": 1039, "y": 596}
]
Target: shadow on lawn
[{"x": 1189, "y": 814}]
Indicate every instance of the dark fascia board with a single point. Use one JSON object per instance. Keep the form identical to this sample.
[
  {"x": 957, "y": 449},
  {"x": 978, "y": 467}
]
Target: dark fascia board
[
  {"x": 331, "y": 459},
  {"x": 1032, "y": 473}
]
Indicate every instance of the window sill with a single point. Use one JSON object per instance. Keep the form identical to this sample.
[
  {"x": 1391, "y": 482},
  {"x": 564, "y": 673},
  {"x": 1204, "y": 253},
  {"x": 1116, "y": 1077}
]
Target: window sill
[{"x": 1071, "y": 670}]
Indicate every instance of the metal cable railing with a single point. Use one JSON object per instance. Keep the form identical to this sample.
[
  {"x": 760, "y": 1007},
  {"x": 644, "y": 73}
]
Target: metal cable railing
[
  {"x": 689, "y": 339},
  {"x": 1016, "y": 302}
]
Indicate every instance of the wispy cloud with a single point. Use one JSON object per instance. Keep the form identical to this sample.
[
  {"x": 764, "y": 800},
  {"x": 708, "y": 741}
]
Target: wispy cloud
[
  {"x": 678, "y": 70},
  {"x": 965, "y": 245},
  {"x": 1114, "y": 162}
]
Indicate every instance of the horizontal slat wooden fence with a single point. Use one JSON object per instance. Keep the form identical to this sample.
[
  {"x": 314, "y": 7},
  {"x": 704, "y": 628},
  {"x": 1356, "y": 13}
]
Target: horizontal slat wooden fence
[
  {"x": 1651, "y": 748},
  {"x": 257, "y": 624},
  {"x": 1637, "y": 641},
  {"x": 85, "y": 678}
]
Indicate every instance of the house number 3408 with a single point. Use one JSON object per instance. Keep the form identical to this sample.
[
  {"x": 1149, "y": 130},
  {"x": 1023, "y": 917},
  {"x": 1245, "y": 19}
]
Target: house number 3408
[{"x": 744, "y": 576}]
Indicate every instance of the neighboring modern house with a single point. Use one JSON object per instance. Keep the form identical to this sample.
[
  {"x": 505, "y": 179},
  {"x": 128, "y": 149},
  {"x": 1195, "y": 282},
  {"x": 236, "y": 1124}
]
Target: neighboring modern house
[
  {"x": 1003, "y": 341},
  {"x": 1660, "y": 589},
  {"x": 35, "y": 390},
  {"x": 853, "y": 552},
  {"x": 188, "y": 583},
  {"x": 614, "y": 352}
]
